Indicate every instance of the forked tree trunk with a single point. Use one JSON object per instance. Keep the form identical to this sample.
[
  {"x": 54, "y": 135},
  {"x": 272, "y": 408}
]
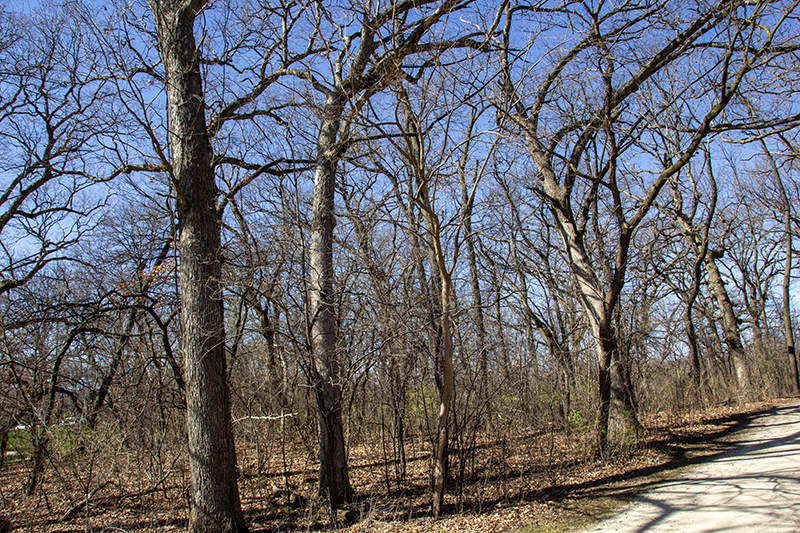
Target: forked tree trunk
[
  {"x": 214, "y": 494},
  {"x": 599, "y": 306}
]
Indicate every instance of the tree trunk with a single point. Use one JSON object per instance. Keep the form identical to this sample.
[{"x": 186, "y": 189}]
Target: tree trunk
[
  {"x": 445, "y": 397},
  {"x": 599, "y": 307},
  {"x": 480, "y": 328},
  {"x": 440, "y": 277},
  {"x": 4, "y": 431},
  {"x": 334, "y": 481},
  {"x": 694, "y": 349},
  {"x": 794, "y": 376},
  {"x": 40, "y": 433},
  {"x": 214, "y": 495},
  {"x": 397, "y": 380},
  {"x": 691, "y": 332},
  {"x": 788, "y": 330},
  {"x": 40, "y": 437},
  {"x": 730, "y": 327},
  {"x": 623, "y": 420},
  {"x": 605, "y": 348}
]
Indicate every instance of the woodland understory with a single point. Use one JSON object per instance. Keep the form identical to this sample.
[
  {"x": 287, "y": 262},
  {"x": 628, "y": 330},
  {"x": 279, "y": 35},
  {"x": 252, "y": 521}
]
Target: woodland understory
[
  {"x": 512, "y": 481},
  {"x": 386, "y": 264}
]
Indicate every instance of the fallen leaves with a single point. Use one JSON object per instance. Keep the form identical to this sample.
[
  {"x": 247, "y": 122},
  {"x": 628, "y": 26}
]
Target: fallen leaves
[{"x": 531, "y": 481}]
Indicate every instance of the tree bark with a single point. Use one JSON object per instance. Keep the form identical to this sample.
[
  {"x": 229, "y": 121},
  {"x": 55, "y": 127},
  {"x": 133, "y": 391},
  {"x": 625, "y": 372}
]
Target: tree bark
[
  {"x": 334, "y": 482},
  {"x": 788, "y": 329},
  {"x": 729, "y": 322},
  {"x": 214, "y": 496},
  {"x": 445, "y": 397},
  {"x": 467, "y": 201},
  {"x": 688, "y": 319},
  {"x": 441, "y": 277}
]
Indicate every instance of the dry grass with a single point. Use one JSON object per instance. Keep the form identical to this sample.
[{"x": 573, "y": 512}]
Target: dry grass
[{"x": 532, "y": 482}]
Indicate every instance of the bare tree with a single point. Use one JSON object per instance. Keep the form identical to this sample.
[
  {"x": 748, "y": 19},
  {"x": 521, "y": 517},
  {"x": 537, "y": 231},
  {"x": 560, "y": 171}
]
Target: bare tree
[
  {"x": 577, "y": 148},
  {"x": 215, "y": 504},
  {"x": 387, "y": 36},
  {"x": 787, "y": 212},
  {"x": 697, "y": 235},
  {"x": 51, "y": 122}
]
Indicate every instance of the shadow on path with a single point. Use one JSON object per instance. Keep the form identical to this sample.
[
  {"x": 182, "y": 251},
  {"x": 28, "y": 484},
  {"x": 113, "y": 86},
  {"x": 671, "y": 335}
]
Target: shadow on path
[{"x": 753, "y": 487}]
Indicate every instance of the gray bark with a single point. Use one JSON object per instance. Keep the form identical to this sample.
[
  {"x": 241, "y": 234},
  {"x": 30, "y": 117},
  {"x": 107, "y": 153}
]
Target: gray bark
[
  {"x": 214, "y": 493},
  {"x": 334, "y": 481},
  {"x": 558, "y": 189},
  {"x": 728, "y": 320},
  {"x": 788, "y": 329}
]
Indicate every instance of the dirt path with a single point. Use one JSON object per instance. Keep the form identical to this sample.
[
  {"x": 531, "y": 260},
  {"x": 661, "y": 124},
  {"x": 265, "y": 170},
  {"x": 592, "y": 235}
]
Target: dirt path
[{"x": 754, "y": 488}]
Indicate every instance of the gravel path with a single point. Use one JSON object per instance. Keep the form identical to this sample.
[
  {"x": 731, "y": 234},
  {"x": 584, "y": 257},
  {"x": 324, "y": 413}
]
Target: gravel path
[{"x": 754, "y": 488}]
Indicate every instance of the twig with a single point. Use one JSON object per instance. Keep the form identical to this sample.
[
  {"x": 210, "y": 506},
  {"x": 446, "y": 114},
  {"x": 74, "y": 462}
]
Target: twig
[{"x": 72, "y": 511}]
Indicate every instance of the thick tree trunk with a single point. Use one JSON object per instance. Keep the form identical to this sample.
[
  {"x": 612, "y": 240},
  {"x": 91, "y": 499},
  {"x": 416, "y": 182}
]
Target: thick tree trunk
[
  {"x": 623, "y": 422},
  {"x": 599, "y": 306},
  {"x": 605, "y": 348},
  {"x": 214, "y": 495},
  {"x": 730, "y": 327},
  {"x": 334, "y": 481},
  {"x": 694, "y": 350}
]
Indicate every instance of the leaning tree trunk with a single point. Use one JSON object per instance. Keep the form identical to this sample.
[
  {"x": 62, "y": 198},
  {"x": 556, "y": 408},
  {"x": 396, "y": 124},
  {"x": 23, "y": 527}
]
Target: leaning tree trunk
[
  {"x": 599, "y": 306},
  {"x": 444, "y": 357},
  {"x": 214, "y": 494},
  {"x": 730, "y": 327}
]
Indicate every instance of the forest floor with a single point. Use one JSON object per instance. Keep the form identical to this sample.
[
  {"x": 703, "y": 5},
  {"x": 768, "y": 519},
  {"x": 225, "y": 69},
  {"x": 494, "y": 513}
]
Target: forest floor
[{"x": 536, "y": 482}]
